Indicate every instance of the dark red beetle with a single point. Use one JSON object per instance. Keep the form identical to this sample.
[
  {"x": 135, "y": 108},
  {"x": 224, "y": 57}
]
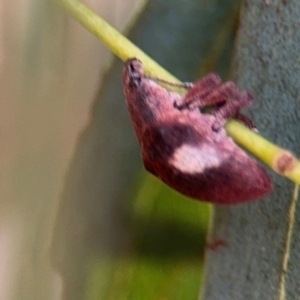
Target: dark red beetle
[{"x": 187, "y": 149}]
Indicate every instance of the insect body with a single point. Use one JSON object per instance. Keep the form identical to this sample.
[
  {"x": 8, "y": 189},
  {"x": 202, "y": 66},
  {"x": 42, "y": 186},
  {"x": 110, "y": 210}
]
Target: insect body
[{"x": 190, "y": 150}]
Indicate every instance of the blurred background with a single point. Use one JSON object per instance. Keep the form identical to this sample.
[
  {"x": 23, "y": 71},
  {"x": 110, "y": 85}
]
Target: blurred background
[{"x": 79, "y": 216}]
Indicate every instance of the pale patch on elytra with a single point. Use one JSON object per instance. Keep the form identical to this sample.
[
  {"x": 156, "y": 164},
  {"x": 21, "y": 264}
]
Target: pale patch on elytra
[{"x": 191, "y": 159}]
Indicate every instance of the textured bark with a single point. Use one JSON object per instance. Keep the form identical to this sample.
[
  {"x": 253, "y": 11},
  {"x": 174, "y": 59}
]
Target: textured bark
[{"x": 258, "y": 249}]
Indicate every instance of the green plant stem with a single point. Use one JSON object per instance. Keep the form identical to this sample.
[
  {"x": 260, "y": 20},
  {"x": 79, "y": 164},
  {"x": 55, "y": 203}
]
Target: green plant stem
[
  {"x": 265, "y": 150},
  {"x": 115, "y": 41}
]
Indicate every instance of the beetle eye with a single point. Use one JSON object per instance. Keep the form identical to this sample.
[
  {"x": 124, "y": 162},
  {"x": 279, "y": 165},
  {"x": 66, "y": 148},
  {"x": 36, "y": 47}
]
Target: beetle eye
[{"x": 131, "y": 66}]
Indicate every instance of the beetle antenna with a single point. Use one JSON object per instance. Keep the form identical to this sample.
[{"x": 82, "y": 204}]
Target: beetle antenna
[{"x": 185, "y": 85}]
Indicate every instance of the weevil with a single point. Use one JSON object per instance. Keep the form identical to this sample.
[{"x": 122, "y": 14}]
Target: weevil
[{"x": 188, "y": 148}]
